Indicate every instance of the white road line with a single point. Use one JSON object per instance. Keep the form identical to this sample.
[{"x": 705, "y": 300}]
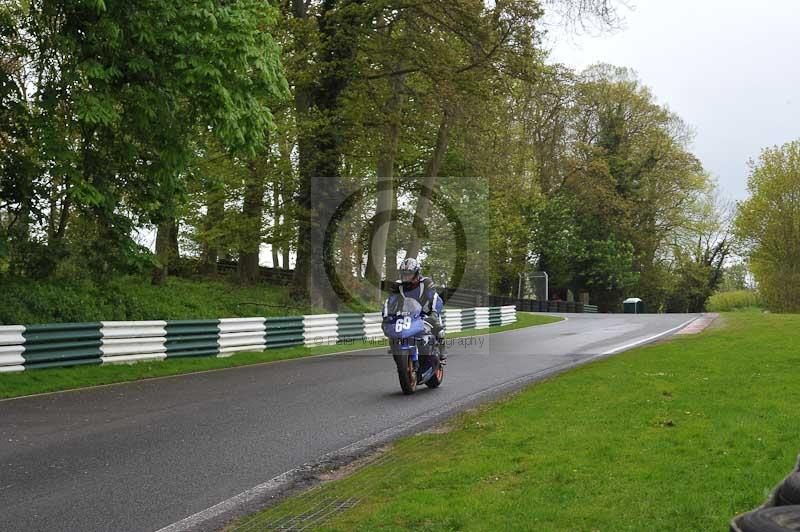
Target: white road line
[{"x": 645, "y": 340}]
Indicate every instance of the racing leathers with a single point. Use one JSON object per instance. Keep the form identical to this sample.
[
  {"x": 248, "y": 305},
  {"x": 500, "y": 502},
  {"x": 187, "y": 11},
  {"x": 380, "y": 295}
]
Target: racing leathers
[{"x": 432, "y": 306}]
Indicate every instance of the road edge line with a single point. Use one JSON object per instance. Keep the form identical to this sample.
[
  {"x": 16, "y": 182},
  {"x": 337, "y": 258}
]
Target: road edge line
[{"x": 646, "y": 340}]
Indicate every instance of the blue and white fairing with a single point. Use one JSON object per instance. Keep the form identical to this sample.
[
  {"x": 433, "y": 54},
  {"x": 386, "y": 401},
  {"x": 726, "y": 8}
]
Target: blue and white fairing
[{"x": 402, "y": 318}]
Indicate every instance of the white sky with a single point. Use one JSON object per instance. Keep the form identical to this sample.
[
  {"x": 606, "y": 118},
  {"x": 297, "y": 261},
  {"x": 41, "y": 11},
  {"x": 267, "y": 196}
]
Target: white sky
[{"x": 729, "y": 68}]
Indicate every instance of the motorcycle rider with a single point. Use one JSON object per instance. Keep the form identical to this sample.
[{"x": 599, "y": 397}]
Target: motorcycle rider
[{"x": 413, "y": 285}]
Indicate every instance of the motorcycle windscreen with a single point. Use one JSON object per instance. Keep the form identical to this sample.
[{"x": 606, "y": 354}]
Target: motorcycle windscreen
[
  {"x": 412, "y": 307},
  {"x": 406, "y": 321}
]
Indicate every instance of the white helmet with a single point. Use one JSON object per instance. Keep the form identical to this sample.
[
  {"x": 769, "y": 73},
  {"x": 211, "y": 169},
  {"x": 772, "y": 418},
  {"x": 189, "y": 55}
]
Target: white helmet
[{"x": 409, "y": 270}]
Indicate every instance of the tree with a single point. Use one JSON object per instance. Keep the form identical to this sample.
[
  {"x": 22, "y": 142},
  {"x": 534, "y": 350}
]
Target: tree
[
  {"x": 700, "y": 253},
  {"x": 735, "y": 277},
  {"x": 327, "y": 39},
  {"x": 768, "y": 224},
  {"x": 116, "y": 93}
]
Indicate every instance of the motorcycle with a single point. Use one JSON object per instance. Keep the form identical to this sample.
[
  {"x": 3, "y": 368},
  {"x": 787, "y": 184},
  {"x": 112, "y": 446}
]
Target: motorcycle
[{"x": 411, "y": 344}]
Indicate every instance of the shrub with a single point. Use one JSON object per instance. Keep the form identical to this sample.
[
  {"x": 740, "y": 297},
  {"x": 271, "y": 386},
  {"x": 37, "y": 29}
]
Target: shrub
[{"x": 735, "y": 300}]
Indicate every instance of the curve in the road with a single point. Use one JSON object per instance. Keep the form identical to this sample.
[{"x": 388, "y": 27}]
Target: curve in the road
[{"x": 145, "y": 455}]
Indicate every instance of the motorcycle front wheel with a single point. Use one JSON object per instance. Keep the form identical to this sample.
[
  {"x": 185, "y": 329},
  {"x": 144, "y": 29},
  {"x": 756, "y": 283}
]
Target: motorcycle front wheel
[
  {"x": 438, "y": 376},
  {"x": 406, "y": 373}
]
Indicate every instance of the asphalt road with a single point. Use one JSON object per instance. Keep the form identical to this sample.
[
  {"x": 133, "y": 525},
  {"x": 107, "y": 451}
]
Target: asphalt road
[{"x": 145, "y": 455}]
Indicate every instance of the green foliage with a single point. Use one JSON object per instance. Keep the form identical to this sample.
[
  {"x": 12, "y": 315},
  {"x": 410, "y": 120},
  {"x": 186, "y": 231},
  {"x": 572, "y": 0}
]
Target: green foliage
[
  {"x": 135, "y": 298},
  {"x": 735, "y": 300},
  {"x": 608, "y": 192},
  {"x": 735, "y": 277},
  {"x": 106, "y": 100},
  {"x": 608, "y": 265},
  {"x": 768, "y": 223}
]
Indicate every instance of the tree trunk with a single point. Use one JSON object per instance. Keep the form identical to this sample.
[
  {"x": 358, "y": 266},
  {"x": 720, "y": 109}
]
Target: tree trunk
[
  {"x": 276, "y": 225},
  {"x": 392, "y": 243},
  {"x": 428, "y": 182},
  {"x": 286, "y": 256},
  {"x": 51, "y": 218},
  {"x": 252, "y": 211},
  {"x": 286, "y": 190},
  {"x": 320, "y": 169},
  {"x": 63, "y": 216},
  {"x": 385, "y": 196},
  {"x": 302, "y": 105},
  {"x": 166, "y": 237},
  {"x": 215, "y": 213},
  {"x": 174, "y": 250}
]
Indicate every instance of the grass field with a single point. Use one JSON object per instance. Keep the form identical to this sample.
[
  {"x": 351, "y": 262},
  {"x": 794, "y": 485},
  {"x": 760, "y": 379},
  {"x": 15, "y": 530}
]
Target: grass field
[
  {"x": 50, "y": 380},
  {"x": 678, "y": 436}
]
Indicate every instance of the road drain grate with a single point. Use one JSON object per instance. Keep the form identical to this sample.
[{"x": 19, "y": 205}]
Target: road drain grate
[{"x": 316, "y": 506}]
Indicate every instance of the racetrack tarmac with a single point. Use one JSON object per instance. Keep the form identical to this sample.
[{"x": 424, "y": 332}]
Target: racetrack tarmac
[{"x": 146, "y": 455}]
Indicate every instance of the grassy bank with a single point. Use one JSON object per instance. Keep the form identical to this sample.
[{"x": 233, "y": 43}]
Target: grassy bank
[
  {"x": 50, "y": 380},
  {"x": 136, "y": 298},
  {"x": 676, "y": 436}
]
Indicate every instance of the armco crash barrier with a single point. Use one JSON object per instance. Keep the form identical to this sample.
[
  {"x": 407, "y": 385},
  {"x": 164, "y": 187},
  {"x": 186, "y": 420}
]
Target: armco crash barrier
[
  {"x": 12, "y": 345},
  {"x": 110, "y": 342},
  {"x": 241, "y": 334},
  {"x": 62, "y": 344},
  {"x": 133, "y": 341}
]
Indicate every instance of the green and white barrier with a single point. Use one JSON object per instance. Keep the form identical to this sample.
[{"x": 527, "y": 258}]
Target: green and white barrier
[
  {"x": 482, "y": 318},
  {"x": 62, "y": 344},
  {"x": 372, "y": 325},
  {"x": 452, "y": 320},
  {"x": 12, "y": 345},
  {"x": 241, "y": 334},
  {"x": 320, "y": 329},
  {"x": 192, "y": 338},
  {"x": 350, "y": 327},
  {"x": 114, "y": 342},
  {"x": 508, "y": 315},
  {"x": 132, "y": 341},
  {"x": 468, "y": 320},
  {"x": 284, "y": 332}
]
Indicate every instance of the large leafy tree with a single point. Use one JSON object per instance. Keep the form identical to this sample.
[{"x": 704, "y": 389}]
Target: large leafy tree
[
  {"x": 768, "y": 223},
  {"x": 115, "y": 93}
]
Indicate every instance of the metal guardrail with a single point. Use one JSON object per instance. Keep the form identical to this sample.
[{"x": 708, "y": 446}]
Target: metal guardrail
[
  {"x": 474, "y": 298},
  {"x": 280, "y": 275},
  {"x": 109, "y": 342}
]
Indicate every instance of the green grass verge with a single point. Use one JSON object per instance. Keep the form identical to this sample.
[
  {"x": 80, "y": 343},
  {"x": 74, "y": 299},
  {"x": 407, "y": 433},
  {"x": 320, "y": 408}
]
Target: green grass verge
[
  {"x": 681, "y": 435},
  {"x": 51, "y": 380}
]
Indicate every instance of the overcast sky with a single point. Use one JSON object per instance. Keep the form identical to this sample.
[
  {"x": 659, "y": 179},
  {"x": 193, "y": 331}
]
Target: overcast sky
[{"x": 729, "y": 68}]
